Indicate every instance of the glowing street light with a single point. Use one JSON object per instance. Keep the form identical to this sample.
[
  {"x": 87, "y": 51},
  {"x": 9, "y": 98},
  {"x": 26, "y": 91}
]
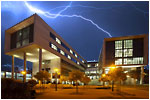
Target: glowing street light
[
  {"x": 103, "y": 75},
  {"x": 112, "y": 67},
  {"x": 56, "y": 72},
  {"x": 23, "y": 73}
]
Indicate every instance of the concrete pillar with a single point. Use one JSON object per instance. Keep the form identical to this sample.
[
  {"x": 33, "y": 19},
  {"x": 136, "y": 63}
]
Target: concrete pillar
[
  {"x": 40, "y": 59},
  {"x": 142, "y": 75},
  {"x": 12, "y": 71},
  {"x": 24, "y": 76}
]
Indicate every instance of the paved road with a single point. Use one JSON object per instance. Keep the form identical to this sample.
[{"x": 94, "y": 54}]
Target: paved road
[{"x": 126, "y": 93}]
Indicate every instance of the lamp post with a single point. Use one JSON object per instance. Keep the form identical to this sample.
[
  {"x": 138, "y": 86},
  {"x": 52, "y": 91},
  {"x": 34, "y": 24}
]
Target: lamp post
[
  {"x": 56, "y": 71},
  {"x": 103, "y": 75},
  {"x": 112, "y": 68},
  {"x": 23, "y": 73}
]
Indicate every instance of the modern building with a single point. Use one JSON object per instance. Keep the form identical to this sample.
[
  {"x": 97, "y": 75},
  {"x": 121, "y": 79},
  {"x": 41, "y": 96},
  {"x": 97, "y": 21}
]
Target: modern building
[
  {"x": 93, "y": 72},
  {"x": 128, "y": 52},
  {"x": 34, "y": 40},
  {"x": 17, "y": 75}
]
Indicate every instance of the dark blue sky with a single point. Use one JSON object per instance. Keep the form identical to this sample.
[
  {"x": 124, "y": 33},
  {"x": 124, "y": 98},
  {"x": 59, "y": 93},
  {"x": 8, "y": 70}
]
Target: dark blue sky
[{"x": 117, "y": 18}]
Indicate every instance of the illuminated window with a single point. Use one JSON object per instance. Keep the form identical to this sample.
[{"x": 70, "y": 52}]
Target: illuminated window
[
  {"x": 71, "y": 51},
  {"x": 118, "y": 62},
  {"x": 69, "y": 57},
  {"x": 87, "y": 72},
  {"x": 25, "y": 42},
  {"x": 118, "y": 53},
  {"x": 137, "y": 60},
  {"x": 128, "y": 61},
  {"x": 76, "y": 55},
  {"x": 83, "y": 61},
  {"x": 128, "y": 52},
  {"x": 89, "y": 65},
  {"x": 54, "y": 47},
  {"x": 118, "y": 44},
  {"x": 93, "y": 72},
  {"x": 18, "y": 44},
  {"x": 58, "y": 41},
  {"x": 97, "y": 64},
  {"x": 128, "y": 43},
  {"x": 62, "y": 52}
]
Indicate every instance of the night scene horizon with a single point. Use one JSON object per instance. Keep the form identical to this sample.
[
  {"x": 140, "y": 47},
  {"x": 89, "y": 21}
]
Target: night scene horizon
[{"x": 79, "y": 49}]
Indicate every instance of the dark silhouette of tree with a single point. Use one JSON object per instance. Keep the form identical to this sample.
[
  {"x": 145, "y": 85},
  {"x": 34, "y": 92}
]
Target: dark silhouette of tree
[
  {"x": 104, "y": 79},
  {"x": 117, "y": 75},
  {"x": 85, "y": 80},
  {"x": 76, "y": 76},
  {"x": 134, "y": 74}
]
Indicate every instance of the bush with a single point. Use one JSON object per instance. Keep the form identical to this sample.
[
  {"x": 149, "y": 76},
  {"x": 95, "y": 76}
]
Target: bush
[
  {"x": 14, "y": 89},
  {"x": 32, "y": 83}
]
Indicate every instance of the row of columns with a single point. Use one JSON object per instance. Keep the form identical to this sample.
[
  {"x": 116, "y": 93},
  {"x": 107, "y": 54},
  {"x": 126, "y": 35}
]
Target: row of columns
[{"x": 25, "y": 58}]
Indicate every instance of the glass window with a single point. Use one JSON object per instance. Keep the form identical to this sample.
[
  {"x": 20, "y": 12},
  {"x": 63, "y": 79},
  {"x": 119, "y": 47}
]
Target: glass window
[
  {"x": 71, "y": 51},
  {"x": 26, "y": 32},
  {"x": 19, "y": 34},
  {"x": 128, "y": 61},
  {"x": 128, "y": 44},
  {"x": 76, "y": 55},
  {"x": 88, "y": 65},
  {"x": 128, "y": 52},
  {"x": 118, "y": 62},
  {"x": 138, "y": 60},
  {"x": 69, "y": 57},
  {"x": 118, "y": 44},
  {"x": 54, "y": 47},
  {"x": 93, "y": 72},
  {"x": 18, "y": 44},
  {"x": 118, "y": 53},
  {"x": 97, "y": 64},
  {"x": 62, "y": 52},
  {"x": 25, "y": 42},
  {"x": 52, "y": 35},
  {"x": 58, "y": 41},
  {"x": 83, "y": 61}
]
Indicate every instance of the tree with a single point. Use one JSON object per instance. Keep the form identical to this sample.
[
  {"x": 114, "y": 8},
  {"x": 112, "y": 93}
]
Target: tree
[
  {"x": 85, "y": 80},
  {"x": 42, "y": 76},
  {"x": 117, "y": 75},
  {"x": 63, "y": 78},
  {"x": 32, "y": 83},
  {"x": 76, "y": 76},
  {"x": 104, "y": 78},
  {"x": 134, "y": 74}
]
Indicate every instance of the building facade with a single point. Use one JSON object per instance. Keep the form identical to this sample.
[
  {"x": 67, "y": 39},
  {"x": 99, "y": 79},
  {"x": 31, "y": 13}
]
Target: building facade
[
  {"x": 34, "y": 40},
  {"x": 129, "y": 52},
  {"x": 93, "y": 72}
]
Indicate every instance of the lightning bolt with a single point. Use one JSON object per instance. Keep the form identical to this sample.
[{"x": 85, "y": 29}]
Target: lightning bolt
[
  {"x": 51, "y": 15},
  {"x": 90, "y": 7}
]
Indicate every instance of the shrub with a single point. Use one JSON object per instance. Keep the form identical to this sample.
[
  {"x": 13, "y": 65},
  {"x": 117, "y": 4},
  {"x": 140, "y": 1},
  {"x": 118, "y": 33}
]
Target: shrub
[{"x": 14, "y": 89}]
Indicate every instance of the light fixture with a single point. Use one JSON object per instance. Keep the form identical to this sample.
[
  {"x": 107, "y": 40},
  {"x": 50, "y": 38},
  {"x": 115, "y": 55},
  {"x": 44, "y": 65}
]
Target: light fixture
[
  {"x": 29, "y": 54},
  {"x": 16, "y": 56}
]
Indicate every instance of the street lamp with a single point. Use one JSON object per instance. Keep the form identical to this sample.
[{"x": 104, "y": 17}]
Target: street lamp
[
  {"x": 56, "y": 71},
  {"x": 23, "y": 73},
  {"x": 103, "y": 75},
  {"x": 112, "y": 68}
]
